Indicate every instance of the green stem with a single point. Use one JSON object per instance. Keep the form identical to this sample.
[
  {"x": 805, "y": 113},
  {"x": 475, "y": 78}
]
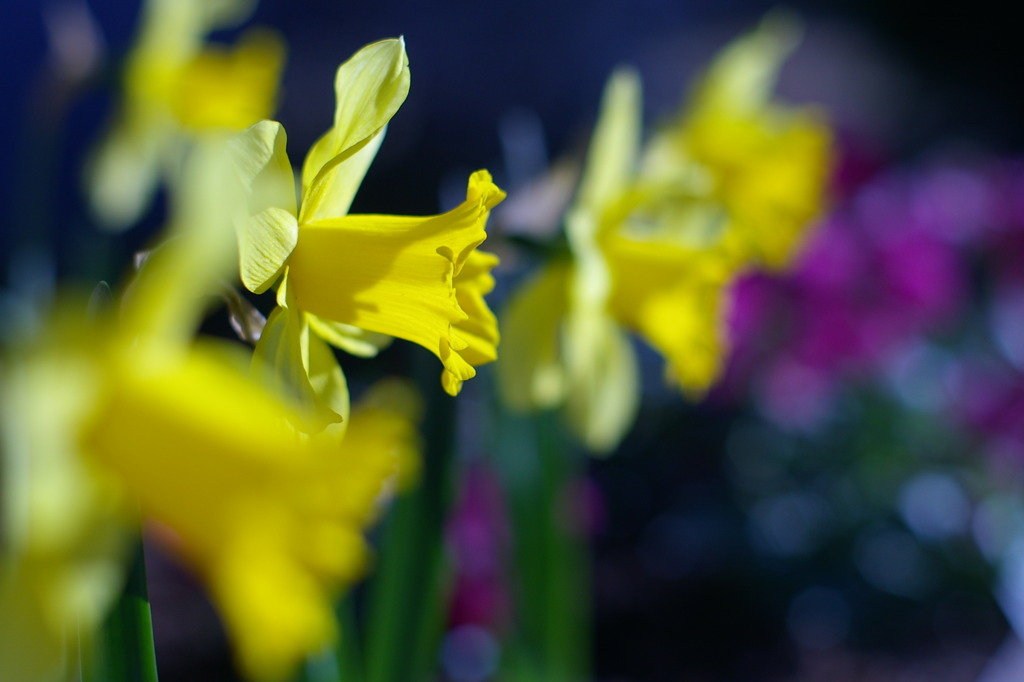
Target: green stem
[
  {"x": 550, "y": 572},
  {"x": 123, "y": 650},
  {"x": 408, "y": 592},
  {"x": 348, "y": 652}
]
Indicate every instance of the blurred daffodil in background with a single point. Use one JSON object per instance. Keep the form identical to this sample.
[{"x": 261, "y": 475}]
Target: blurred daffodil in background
[
  {"x": 657, "y": 234},
  {"x": 176, "y": 85},
  {"x": 736, "y": 169},
  {"x": 121, "y": 414},
  {"x": 357, "y": 280},
  {"x": 256, "y": 468},
  {"x": 562, "y": 345}
]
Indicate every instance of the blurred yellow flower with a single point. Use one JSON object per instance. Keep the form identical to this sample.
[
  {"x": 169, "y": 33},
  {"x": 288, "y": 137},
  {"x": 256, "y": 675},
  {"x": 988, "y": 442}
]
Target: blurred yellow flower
[
  {"x": 753, "y": 169},
  {"x": 176, "y": 87},
  {"x": 270, "y": 519},
  {"x": 107, "y": 417},
  {"x": 63, "y": 539},
  {"x": 562, "y": 343},
  {"x": 356, "y": 280},
  {"x": 655, "y": 238}
]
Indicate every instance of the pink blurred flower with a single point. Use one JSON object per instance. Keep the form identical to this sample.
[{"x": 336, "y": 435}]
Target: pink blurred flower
[
  {"x": 478, "y": 538},
  {"x": 883, "y": 270}
]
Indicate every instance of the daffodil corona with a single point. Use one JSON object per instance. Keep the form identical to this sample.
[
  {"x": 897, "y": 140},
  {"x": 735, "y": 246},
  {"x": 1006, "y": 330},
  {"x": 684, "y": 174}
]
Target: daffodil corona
[{"x": 356, "y": 280}]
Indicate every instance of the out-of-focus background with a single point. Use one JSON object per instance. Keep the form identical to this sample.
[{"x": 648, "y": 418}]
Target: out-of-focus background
[
  {"x": 847, "y": 503},
  {"x": 902, "y": 78}
]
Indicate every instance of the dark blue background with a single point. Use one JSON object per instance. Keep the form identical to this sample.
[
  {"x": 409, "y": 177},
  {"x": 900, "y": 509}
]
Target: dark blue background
[{"x": 954, "y": 70}]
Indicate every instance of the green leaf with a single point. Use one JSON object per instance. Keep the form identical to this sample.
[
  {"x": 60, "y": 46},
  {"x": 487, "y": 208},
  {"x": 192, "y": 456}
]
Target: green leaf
[
  {"x": 550, "y": 580},
  {"x": 408, "y": 593},
  {"x": 124, "y": 649}
]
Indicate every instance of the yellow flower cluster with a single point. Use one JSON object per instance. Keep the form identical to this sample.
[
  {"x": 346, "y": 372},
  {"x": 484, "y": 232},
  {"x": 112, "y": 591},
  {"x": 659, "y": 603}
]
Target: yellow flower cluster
[
  {"x": 656, "y": 234},
  {"x": 261, "y": 475},
  {"x": 121, "y": 414}
]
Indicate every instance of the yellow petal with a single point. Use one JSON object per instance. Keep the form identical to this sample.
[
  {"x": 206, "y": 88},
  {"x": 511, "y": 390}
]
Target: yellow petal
[
  {"x": 764, "y": 164},
  {"x": 165, "y": 85},
  {"x": 383, "y": 422},
  {"x": 773, "y": 173},
  {"x": 369, "y": 89},
  {"x": 348, "y": 338},
  {"x": 598, "y": 372},
  {"x": 177, "y": 26},
  {"x": 328, "y": 381},
  {"x": 64, "y": 534},
  {"x": 397, "y": 275},
  {"x": 743, "y": 75},
  {"x": 32, "y": 649},
  {"x": 171, "y": 34},
  {"x": 223, "y": 13},
  {"x": 609, "y": 168},
  {"x": 342, "y": 181},
  {"x": 269, "y": 234},
  {"x": 614, "y": 147},
  {"x": 272, "y": 520},
  {"x": 273, "y": 609},
  {"x": 673, "y": 298},
  {"x": 260, "y": 156},
  {"x": 265, "y": 240},
  {"x": 530, "y": 370},
  {"x": 604, "y": 388},
  {"x": 230, "y": 88},
  {"x": 166, "y": 301},
  {"x": 480, "y": 331},
  {"x": 291, "y": 360},
  {"x": 121, "y": 174}
]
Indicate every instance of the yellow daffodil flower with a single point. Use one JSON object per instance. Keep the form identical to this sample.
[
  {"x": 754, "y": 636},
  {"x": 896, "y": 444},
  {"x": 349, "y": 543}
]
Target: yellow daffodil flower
[
  {"x": 734, "y": 184},
  {"x": 753, "y": 169},
  {"x": 63, "y": 538},
  {"x": 563, "y": 346},
  {"x": 356, "y": 280},
  {"x": 654, "y": 244},
  {"x": 672, "y": 296},
  {"x": 122, "y": 414},
  {"x": 176, "y": 87},
  {"x": 271, "y": 520}
]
